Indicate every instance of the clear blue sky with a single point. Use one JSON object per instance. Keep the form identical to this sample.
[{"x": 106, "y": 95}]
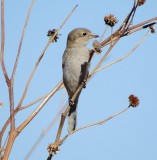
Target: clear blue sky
[{"x": 132, "y": 135}]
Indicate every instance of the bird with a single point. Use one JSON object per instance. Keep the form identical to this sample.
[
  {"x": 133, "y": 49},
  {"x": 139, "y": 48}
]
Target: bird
[{"x": 75, "y": 67}]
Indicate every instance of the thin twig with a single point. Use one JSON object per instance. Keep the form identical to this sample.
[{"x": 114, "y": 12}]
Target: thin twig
[
  {"x": 111, "y": 35},
  {"x": 69, "y": 15},
  {"x": 142, "y": 23},
  {"x": 94, "y": 124},
  {"x": 63, "y": 117},
  {"x": 129, "y": 31},
  {"x": 103, "y": 33},
  {"x": 25, "y": 123},
  {"x": 127, "y": 21},
  {"x": 44, "y": 132},
  {"x": 3, "y": 130},
  {"x": 125, "y": 56},
  {"x": 103, "y": 58},
  {"x": 33, "y": 102},
  {"x": 135, "y": 1},
  {"x": 5, "y": 142},
  {"x": 3, "y": 43},
  {"x": 2, "y": 57},
  {"x": 21, "y": 40},
  {"x": 37, "y": 100},
  {"x": 32, "y": 74}
]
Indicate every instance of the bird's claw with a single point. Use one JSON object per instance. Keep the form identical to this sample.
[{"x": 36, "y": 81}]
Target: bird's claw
[
  {"x": 84, "y": 83},
  {"x": 71, "y": 102}
]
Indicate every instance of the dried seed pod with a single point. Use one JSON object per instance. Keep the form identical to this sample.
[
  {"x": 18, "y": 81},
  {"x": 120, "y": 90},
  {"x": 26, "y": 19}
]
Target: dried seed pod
[
  {"x": 97, "y": 47},
  {"x": 53, "y": 149},
  {"x": 141, "y": 2},
  {"x": 110, "y": 20},
  {"x": 134, "y": 101},
  {"x": 51, "y": 33}
]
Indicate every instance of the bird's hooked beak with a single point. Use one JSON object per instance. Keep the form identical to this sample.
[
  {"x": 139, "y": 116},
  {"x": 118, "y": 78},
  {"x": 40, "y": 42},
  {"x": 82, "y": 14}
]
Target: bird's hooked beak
[{"x": 93, "y": 35}]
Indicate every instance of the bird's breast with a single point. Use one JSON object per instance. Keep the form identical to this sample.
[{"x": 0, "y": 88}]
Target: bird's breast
[{"x": 73, "y": 60}]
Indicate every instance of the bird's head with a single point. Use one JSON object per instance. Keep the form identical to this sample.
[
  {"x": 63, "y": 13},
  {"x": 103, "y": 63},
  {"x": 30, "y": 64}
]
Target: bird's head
[{"x": 80, "y": 37}]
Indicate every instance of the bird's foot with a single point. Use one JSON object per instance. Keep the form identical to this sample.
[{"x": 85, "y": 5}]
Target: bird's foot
[
  {"x": 84, "y": 83},
  {"x": 71, "y": 102}
]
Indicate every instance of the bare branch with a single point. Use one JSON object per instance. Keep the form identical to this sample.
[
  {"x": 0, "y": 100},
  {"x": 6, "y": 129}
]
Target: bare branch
[
  {"x": 61, "y": 124},
  {"x": 103, "y": 58},
  {"x": 42, "y": 135},
  {"x": 129, "y": 31},
  {"x": 128, "y": 20},
  {"x": 21, "y": 40},
  {"x": 69, "y": 15},
  {"x": 3, "y": 130},
  {"x": 32, "y": 74},
  {"x": 94, "y": 124},
  {"x": 103, "y": 33},
  {"x": 25, "y": 123},
  {"x": 3, "y": 43},
  {"x": 12, "y": 136},
  {"x": 125, "y": 56},
  {"x": 143, "y": 23},
  {"x": 35, "y": 101},
  {"x": 5, "y": 142}
]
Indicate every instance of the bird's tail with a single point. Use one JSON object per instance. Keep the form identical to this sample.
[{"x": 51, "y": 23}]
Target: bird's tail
[{"x": 72, "y": 119}]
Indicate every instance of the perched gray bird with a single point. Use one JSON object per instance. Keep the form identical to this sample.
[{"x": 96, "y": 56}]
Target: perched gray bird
[{"x": 75, "y": 67}]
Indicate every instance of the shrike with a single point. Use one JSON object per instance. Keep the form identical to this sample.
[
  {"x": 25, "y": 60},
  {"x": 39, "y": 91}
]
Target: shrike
[{"x": 75, "y": 67}]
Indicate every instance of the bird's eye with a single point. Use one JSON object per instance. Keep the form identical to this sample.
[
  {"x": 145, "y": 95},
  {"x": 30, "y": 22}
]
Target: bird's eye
[{"x": 84, "y": 33}]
